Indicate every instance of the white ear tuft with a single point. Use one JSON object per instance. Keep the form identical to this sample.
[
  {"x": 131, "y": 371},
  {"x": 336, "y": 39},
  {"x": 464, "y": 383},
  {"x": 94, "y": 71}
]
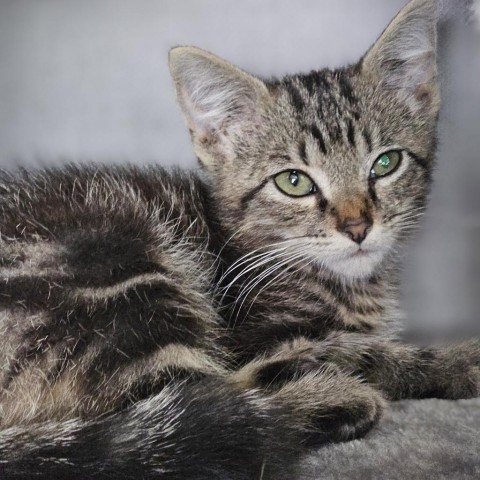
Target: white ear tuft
[
  {"x": 404, "y": 57},
  {"x": 213, "y": 94}
]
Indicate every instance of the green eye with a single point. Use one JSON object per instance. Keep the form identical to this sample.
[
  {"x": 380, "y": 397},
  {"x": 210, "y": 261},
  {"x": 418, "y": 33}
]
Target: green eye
[
  {"x": 385, "y": 164},
  {"x": 295, "y": 183}
]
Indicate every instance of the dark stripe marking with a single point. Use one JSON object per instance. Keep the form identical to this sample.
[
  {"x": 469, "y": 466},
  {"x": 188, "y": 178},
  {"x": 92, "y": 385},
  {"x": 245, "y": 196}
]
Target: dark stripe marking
[
  {"x": 372, "y": 192},
  {"x": 280, "y": 372},
  {"x": 420, "y": 160},
  {"x": 323, "y": 204},
  {"x": 346, "y": 88},
  {"x": 149, "y": 385},
  {"x": 295, "y": 95},
  {"x": 349, "y": 299},
  {"x": 315, "y": 82},
  {"x": 247, "y": 344},
  {"x": 368, "y": 139},
  {"x": 310, "y": 83},
  {"x": 317, "y": 135},
  {"x": 249, "y": 196},
  {"x": 302, "y": 152},
  {"x": 102, "y": 259},
  {"x": 351, "y": 133}
]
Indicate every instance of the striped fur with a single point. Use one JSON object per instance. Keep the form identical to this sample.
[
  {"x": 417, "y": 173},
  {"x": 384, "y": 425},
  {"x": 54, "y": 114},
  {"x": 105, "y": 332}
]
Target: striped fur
[{"x": 159, "y": 324}]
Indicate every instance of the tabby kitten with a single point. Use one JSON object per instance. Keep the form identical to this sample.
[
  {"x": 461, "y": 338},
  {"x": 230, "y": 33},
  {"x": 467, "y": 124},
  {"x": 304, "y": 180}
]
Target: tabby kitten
[{"x": 163, "y": 325}]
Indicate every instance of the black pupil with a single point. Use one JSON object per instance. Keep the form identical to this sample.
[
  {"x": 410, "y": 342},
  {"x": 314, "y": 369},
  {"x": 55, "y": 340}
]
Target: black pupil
[{"x": 294, "y": 178}]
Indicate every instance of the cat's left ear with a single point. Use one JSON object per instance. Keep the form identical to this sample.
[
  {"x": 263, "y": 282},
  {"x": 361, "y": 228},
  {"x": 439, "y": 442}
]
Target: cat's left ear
[
  {"x": 404, "y": 58},
  {"x": 219, "y": 101}
]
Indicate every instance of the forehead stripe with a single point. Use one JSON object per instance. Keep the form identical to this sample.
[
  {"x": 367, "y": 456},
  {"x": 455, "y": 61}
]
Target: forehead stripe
[
  {"x": 351, "y": 133},
  {"x": 346, "y": 88},
  {"x": 295, "y": 95},
  {"x": 368, "y": 139},
  {"x": 302, "y": 152},
  {"x": 317, "y": 135}
]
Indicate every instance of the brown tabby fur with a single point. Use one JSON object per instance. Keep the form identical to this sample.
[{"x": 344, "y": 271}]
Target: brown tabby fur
[{"x": 167, "y": 325}]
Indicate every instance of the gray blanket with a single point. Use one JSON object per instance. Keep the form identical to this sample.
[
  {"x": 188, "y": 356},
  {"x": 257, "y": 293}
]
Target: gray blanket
[{"x": 416, "y": 440}]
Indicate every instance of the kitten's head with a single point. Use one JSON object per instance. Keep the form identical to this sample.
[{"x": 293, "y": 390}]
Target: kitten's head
[{"x": 338, "y": 161}]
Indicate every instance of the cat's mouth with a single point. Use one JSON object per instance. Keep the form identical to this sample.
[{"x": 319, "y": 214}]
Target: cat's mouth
[
  {"x": 355, "y": 263},
  {"x": 361, "y": 252}
]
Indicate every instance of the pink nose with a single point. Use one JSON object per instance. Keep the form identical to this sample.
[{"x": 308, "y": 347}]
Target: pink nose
[{"x": 356, "y": 228}]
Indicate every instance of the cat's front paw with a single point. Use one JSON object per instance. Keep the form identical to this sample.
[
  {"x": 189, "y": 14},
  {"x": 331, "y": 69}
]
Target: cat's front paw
[
  {"x": 322, "y": 402},
  {"x": 331, "y": 407},
  {"x": 354, "y": 418}
]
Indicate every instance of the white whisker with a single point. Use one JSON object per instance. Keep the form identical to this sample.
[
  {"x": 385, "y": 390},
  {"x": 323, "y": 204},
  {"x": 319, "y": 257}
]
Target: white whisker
[
  {"x": 262, "y": 289},
  {"x": 257, "y": 262},
  {"x": 246, "y": 290}
]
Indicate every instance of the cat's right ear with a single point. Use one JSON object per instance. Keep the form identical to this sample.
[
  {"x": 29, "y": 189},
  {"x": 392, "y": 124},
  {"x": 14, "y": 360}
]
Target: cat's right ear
[
  {"x": 220, "y": 102},
  {"x": 404, "y": 57}
]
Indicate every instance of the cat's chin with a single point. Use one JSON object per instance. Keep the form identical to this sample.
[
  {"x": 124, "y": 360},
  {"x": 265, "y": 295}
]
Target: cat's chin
[{"x": 357, "y": 266}]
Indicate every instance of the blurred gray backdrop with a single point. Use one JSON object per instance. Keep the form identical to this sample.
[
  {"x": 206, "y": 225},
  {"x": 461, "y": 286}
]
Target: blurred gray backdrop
[{"x": 88, "y": 80}]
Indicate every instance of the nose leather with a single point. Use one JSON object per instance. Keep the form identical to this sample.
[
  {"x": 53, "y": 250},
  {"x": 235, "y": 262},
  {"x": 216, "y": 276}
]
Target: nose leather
[{"x": 357, "y": 228}]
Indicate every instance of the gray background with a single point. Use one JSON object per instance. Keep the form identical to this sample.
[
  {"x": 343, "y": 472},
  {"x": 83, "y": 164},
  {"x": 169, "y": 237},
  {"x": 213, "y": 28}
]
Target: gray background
[{"x": 88, "y": 80}]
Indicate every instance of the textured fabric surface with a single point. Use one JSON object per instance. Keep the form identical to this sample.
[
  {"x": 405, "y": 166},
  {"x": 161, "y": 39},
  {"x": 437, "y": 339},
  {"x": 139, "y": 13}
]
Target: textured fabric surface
[{"x": 416, "y": 440}]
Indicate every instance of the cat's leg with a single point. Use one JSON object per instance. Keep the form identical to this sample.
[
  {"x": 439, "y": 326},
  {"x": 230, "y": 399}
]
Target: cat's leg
[
  {"x": 401, "y": 370},
  {"x": 324, "y": 403}
]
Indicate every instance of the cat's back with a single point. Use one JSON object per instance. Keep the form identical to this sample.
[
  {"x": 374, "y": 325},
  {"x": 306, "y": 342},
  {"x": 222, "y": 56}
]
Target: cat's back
[
  {"x": 104, "y": 277},
  {"x": 60, "y": 194}
]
